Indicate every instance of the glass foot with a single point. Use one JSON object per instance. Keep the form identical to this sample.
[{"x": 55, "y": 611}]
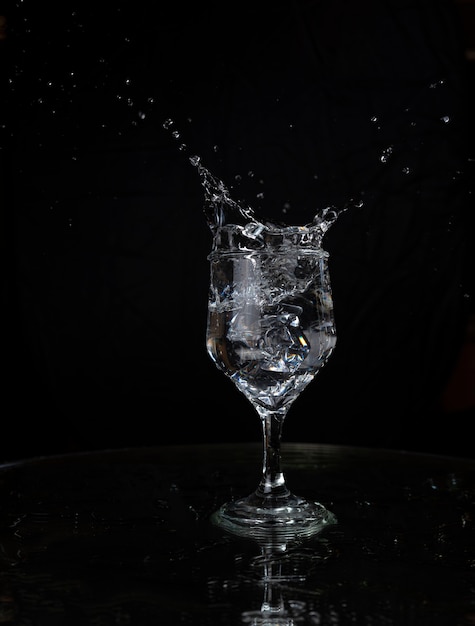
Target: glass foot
[{"x": 290, "y": 518}]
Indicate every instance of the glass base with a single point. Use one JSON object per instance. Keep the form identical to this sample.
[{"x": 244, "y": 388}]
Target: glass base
[{"x": 288, "y": 519}]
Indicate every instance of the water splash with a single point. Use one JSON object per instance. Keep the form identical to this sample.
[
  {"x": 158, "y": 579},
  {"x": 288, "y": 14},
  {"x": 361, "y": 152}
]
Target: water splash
[{"x": 237, "y": 226}]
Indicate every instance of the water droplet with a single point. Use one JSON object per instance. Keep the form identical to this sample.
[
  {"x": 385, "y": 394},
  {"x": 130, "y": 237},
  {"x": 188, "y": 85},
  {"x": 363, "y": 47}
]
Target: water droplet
[{"x": 386, "y": 154}]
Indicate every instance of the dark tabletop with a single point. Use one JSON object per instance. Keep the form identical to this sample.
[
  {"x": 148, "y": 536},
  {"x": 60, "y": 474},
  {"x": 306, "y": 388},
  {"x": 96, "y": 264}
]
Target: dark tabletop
[{"x": 123, "y": 537}]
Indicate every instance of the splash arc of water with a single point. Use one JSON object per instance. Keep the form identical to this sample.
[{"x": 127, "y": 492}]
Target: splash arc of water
[{"x": 236, "y": 226}]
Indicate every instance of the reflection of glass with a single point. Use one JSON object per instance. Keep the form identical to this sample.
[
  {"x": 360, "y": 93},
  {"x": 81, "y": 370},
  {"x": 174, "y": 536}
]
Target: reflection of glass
[
  {"x": 274, "y": 611},
  {"x": 270, "y": 329},
  {"x": 281, "y": 570}
]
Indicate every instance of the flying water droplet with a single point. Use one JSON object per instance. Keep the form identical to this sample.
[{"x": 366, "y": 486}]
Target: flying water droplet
[{"x": 386, "y": 154}]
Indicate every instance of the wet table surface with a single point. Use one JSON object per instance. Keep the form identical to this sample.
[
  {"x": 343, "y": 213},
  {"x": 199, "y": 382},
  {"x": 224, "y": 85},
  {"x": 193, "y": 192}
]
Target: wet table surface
[{"x": 123, "y": 537}]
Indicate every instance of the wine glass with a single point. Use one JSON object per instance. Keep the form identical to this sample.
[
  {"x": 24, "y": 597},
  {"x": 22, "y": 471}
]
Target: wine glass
[{"x": 270, "y": 329}]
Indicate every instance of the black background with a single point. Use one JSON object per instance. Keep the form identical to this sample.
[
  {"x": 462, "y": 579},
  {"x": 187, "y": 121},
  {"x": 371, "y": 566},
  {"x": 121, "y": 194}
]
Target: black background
[{"x": 297, "y": 106}]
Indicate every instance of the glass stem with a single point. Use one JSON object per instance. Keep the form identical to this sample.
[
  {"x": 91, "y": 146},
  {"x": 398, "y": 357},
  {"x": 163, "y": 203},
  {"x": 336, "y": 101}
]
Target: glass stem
[{"x": 272, "y": 484}]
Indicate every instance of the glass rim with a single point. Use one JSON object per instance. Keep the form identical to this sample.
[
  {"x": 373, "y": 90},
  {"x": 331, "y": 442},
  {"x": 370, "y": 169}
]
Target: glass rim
[{"x": 320, "y": 252}]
